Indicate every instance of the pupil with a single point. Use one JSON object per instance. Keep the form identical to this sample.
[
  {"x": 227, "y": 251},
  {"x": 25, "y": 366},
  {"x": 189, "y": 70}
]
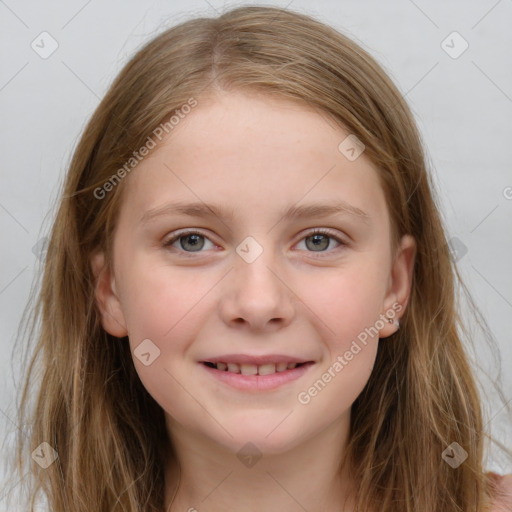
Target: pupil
[
  {"x": 193, "y": 240},
  {"x": 317, "y": 241}
]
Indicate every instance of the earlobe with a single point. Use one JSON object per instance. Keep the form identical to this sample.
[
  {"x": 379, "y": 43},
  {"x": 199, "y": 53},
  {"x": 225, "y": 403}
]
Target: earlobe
[
  {"x": 400, "y": 285},
  {"x": 109, "y": 305}
]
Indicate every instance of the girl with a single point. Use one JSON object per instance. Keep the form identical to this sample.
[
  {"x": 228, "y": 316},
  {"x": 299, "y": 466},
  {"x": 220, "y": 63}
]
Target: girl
[{"x": 248, "y": 300}]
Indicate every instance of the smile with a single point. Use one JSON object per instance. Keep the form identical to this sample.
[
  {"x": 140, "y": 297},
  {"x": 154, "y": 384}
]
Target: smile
[
  {"x": 256, "y": 374},
  {"x": 253, "y": 369}
]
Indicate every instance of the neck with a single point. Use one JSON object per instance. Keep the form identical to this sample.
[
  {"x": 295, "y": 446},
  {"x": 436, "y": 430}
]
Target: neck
[{"x": 212, "y": 478}]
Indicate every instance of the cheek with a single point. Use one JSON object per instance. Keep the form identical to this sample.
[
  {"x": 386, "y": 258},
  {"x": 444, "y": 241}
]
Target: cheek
[
  {"x": 348, "y": 306},
  {"x": 158, "y": 299},
  {"x": 163, "y": 306},
  {"x": 346, "y": 302}
]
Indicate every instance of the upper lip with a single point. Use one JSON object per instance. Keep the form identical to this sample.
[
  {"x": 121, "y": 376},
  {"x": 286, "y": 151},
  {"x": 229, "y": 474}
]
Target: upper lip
[{"x": 257, "y": 360}]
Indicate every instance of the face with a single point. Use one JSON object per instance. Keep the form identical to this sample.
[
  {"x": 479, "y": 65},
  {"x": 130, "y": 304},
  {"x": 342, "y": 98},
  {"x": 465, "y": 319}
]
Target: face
[{"x": 221, "y": 299}]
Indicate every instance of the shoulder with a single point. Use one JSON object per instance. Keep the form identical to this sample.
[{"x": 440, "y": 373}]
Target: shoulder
[{"x": 502, "y": 491}]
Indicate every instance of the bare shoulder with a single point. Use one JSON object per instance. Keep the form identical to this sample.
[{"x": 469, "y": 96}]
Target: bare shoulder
[{"x": 503, "y": 493}]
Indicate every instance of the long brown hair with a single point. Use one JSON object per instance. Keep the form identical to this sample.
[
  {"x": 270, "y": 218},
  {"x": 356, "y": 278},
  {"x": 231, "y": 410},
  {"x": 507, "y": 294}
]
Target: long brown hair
[{"x": 90, "y": 405}]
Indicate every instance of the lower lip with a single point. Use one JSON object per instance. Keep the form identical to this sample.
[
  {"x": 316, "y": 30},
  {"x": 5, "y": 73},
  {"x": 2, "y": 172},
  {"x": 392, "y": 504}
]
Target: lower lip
[{"x": 258, "y": 382}]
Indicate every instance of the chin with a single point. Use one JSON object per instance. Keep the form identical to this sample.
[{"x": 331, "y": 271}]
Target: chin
[{"x": 263, "y": 438}]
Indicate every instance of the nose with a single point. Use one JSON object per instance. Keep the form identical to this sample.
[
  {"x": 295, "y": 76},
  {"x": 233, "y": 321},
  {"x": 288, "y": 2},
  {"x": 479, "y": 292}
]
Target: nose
[{"x": 256, "y": 296}]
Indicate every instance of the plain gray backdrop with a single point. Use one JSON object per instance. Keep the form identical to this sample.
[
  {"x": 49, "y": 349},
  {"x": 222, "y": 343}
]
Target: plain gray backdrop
[{"x": 452, "y": 61}]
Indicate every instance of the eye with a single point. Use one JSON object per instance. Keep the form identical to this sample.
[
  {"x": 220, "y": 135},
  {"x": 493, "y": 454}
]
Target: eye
[
  {"x": 191, "y": 241},
  {"x": 320, "y": 240}
]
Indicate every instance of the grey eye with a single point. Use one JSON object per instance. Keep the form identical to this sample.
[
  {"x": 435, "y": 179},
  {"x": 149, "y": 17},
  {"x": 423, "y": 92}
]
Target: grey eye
[
  {"x": 192, "y": 242},
  {"x": 318, "y": 241}
]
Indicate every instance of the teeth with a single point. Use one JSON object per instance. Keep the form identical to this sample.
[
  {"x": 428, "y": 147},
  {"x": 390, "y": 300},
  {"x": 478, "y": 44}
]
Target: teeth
[
  {"x": 252, "y": 369},
  {"x": 267, "y": 369},
  {"x": 248, "y": 369},
  {"x": 233, "y": 367}
]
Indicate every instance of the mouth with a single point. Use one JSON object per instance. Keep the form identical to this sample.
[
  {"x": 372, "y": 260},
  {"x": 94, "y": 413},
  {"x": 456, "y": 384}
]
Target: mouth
[
  {"x": 256, "y": 373},
  {"x": 254, "y": 369}
]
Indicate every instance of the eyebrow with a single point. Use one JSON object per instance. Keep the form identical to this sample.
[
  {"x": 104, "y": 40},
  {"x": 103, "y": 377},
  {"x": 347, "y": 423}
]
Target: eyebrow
[{"x": 200, "y": 209}]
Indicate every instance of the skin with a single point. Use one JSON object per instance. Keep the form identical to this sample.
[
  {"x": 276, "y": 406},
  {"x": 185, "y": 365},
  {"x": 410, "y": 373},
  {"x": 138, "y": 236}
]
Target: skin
[
  {"x": 503, "y": 489},
  {"x": 257, "y": 156}
]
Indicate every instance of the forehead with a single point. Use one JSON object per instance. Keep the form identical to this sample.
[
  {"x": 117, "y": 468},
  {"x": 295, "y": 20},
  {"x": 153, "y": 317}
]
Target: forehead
[{"x": 253, "y": 152}]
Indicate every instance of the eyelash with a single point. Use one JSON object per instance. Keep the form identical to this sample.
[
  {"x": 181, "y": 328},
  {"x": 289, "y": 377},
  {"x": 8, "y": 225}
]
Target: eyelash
[{"x": 320, "y": 231}]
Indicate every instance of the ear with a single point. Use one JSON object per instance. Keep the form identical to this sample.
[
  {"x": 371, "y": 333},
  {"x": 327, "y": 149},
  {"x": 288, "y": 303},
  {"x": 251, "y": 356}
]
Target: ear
[
  {"x": 112, "y": 317},
  {"x": 400, "y": 281}
]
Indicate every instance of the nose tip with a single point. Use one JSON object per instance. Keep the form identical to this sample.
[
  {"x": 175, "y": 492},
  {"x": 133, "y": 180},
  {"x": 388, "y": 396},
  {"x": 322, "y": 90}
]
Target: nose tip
[{"x": 256, "y": 296}]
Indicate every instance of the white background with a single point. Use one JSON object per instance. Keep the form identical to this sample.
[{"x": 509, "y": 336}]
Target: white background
[{"x": 463, "y": 107}]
